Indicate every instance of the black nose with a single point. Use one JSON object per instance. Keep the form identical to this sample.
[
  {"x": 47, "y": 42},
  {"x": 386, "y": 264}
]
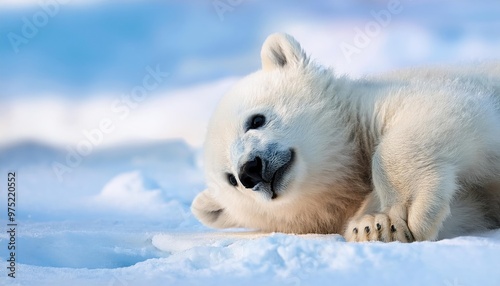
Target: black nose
[{"x": 251, "y": 173}]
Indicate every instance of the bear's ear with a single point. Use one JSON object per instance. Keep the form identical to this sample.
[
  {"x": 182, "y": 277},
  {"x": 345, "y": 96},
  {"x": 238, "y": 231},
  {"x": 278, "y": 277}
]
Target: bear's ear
[
  {"x": 210, "y": 212},
  {"x": 281, "y": 50}
]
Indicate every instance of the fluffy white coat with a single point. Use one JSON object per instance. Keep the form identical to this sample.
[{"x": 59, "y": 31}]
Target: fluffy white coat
[{"x": 412, "y": 155}]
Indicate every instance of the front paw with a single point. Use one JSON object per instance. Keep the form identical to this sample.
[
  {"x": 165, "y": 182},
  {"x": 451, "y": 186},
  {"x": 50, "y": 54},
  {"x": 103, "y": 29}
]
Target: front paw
[{"x": 378, "y": 227}]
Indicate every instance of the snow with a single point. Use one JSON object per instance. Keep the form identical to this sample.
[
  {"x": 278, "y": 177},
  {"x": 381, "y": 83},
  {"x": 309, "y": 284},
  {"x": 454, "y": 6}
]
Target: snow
[
  {"x": 119, "y": 214},
  {"x": 122, "y": 218},
  {"x": 280, "y": 259}
]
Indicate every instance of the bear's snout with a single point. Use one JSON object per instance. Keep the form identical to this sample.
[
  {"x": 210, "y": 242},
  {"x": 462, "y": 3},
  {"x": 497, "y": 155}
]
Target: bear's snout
[
  {"x": 251, "y": 173},
  {"x": 265, "y": 168}
]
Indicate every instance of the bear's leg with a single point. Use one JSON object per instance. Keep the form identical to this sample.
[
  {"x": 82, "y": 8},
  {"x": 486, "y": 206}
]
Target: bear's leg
[{"x": 414, "y": 187}]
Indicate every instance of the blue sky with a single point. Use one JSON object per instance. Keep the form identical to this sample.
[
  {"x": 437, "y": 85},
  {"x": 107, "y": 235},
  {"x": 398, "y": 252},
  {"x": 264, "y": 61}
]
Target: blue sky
[
  {"x": 102, "y": 47},
  {"x": 107, "y": 45}
]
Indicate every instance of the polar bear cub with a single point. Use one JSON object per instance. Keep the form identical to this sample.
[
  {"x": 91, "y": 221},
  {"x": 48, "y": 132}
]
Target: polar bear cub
[{"x": 409, "y": 156}]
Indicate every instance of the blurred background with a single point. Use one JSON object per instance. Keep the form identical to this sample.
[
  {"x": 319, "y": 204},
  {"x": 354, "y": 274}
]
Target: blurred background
[
  {"x": 64, "y": 63},
  {"x": 104, "y": 104}
]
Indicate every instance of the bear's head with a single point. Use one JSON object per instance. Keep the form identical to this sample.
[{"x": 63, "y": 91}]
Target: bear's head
[{"x": 273, "y": 147}]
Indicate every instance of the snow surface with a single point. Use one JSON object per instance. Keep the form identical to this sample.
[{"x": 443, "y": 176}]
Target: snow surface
[{"x": 122, "y": 218}]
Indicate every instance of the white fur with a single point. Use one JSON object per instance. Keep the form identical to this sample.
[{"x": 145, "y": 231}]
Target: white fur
[{"x": 412, "y": 155}]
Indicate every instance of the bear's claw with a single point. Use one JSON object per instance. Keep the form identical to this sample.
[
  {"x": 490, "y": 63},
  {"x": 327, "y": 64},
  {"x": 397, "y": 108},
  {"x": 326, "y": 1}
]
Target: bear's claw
[{"x": 378, "y": 227}]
